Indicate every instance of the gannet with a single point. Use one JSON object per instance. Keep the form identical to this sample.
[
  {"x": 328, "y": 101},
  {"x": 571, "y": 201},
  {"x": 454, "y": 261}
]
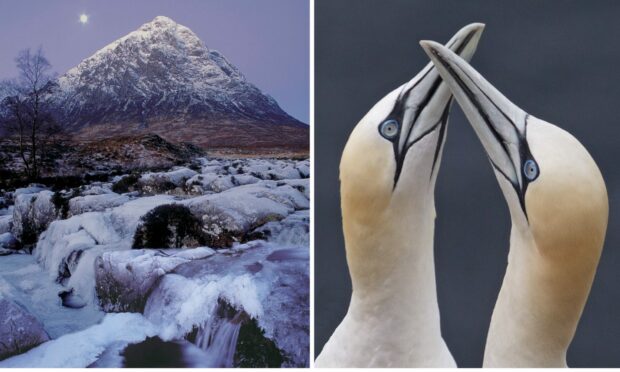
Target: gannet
[
  {"x": 387, "y": 179},
  {"x": 558, "y": 205}
]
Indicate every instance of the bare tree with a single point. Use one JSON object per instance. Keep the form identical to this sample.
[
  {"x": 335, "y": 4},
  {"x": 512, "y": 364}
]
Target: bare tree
[{"x": 26, "y": 111}]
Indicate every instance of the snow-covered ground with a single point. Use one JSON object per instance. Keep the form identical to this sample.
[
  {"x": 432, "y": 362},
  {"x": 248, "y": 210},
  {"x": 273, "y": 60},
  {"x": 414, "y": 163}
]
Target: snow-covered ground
[{"x": 251, "y": 283}]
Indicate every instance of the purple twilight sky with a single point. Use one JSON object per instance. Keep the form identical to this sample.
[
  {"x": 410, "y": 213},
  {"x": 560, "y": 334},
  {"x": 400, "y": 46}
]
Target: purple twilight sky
[{"x": 268, "y": 40}]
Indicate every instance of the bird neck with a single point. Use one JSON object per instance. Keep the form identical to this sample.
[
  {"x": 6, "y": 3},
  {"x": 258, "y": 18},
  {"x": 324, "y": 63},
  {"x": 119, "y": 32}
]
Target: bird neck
[
  {"x": 392, "y": 269},
  {"x": 538, "y": 307}
]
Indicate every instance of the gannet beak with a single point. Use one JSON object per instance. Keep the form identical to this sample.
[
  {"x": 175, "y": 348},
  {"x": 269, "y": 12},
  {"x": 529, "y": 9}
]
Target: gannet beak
[
  {"x": 423, "y": 103},
  {"x": 499, "y": 123}
]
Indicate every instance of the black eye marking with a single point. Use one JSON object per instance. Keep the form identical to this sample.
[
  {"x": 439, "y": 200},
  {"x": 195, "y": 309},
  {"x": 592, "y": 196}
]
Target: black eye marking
[{"x": 389, "y": 129}]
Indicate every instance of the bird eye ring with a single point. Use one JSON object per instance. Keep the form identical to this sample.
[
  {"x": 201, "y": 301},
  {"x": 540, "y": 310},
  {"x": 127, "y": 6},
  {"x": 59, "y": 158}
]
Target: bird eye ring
[
  {"x": 530, "y": 170},
  {"x": 389, "y": 129}
]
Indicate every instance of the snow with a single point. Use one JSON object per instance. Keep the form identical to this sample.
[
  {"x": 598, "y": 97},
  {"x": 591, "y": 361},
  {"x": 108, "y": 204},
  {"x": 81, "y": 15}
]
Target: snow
[
  {"x": 300, "y": 184},
  {"x": 80, "y": 349},
  {"x": 96, "y": 202},
  {"x": 177, "y": 176},
  {"x": 97, "y": 190},
  {"x": 33, "y": 189},
  {"x": 211, "y": 182}
]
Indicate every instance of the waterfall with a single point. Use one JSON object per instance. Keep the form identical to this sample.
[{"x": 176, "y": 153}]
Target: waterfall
[{"x": 218, "y": 338}]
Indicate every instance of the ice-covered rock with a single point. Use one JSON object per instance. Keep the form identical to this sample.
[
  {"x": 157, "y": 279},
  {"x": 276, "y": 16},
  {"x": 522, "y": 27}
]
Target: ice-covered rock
[
  {"x": 20, "y": 331},
  {"x": 96, "y": 202},
  {"x": 210, "y": 182},
  {"x": 6, "y": 221},
  {"x": 71, "y": 300},
  {"x": 270, "y": 169},
  {"x": 304, "y": 168},
  {"x": 8, "y": 241},
  {"x": 90, "y": 233},
  {"x": 244, "y": 179},
  {"x": 124, "y": 278},
  {"x": 81, "y": 349},
  {"x": 177, "y": 176},
  {"x": 294, "y": 230},
  {"x": 96, "y": 190},
  {"x": 229, "y": 215},
  {"x": 302, "y": 185}
]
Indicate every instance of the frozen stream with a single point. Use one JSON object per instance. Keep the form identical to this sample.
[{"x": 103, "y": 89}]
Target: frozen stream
[{"x": 26, "y": 282}]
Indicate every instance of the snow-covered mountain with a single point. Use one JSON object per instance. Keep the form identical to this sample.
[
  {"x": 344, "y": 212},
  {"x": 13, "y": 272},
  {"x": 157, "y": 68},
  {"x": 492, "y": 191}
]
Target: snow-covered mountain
[{"x": 163, "y": 79}]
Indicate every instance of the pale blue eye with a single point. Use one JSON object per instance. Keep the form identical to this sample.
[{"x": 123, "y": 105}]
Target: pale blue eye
[
  {"x": 389, "y": 129},
  {"x": 530, "y": 169}
]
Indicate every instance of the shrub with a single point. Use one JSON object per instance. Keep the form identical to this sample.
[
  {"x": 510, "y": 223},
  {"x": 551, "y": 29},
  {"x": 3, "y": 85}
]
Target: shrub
[
  {"x": 169, "y": 226},
  {"x": 61, "y": 202},
  {"x": 156, "y": 185},
  {"x": 195, "y": 166},
  {"x": 254, "y": 350},
  {"x": 125, "y": 184}
]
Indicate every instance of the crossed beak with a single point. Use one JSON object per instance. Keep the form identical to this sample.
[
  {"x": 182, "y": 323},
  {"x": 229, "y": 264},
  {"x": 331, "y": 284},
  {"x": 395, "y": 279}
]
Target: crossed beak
[{"x": 499, "y": 123}]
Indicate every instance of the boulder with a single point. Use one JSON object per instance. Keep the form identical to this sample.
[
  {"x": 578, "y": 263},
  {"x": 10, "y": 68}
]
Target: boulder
[
  {"x": 125, "y": 278},
  {"x": 8, "y": 241},
  {"x": 228, "y": 216},
  {"x": 20, "y": 331}
]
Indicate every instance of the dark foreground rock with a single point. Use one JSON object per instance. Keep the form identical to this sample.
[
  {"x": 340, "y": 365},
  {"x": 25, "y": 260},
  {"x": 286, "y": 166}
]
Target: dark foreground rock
[{"x": 20, "y": 331}]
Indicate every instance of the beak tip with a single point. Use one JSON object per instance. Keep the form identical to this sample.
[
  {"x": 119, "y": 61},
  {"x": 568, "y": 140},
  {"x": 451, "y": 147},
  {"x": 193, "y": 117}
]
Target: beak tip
[
  {"x": 477, "y": 26},
  {"x": 429, "y": 46}
]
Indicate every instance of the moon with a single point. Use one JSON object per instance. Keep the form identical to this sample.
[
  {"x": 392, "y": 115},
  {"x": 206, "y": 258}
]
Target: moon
[{"x": 83, "y": 19}]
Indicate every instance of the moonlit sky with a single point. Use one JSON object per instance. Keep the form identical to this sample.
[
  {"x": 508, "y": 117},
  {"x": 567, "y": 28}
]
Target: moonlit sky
[{"x": 268, "y": 40}]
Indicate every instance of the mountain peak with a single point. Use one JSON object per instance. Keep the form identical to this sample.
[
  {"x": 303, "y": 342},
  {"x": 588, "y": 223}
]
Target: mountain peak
[
  {"x": 162, "y": 76},
  {"x": 163, "y": 20}
]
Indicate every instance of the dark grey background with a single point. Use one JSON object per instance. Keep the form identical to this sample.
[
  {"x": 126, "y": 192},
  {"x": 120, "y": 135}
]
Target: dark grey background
[{"x": 558, "y": 60}]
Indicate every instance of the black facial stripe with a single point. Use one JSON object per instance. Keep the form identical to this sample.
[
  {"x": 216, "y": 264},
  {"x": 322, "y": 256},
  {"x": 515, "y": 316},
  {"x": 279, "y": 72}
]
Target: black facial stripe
[
  {"x": 400, "y": 160},
  {"x": 514, "y": 186},
  {"x": 400, "y": 155}
]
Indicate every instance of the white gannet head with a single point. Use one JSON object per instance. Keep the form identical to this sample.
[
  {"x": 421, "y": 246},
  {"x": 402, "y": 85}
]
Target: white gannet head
[
  {"x": 553, "y": 187},
  {"x": 390, "y": 162},
  {"x": 559, "y": 209}
]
